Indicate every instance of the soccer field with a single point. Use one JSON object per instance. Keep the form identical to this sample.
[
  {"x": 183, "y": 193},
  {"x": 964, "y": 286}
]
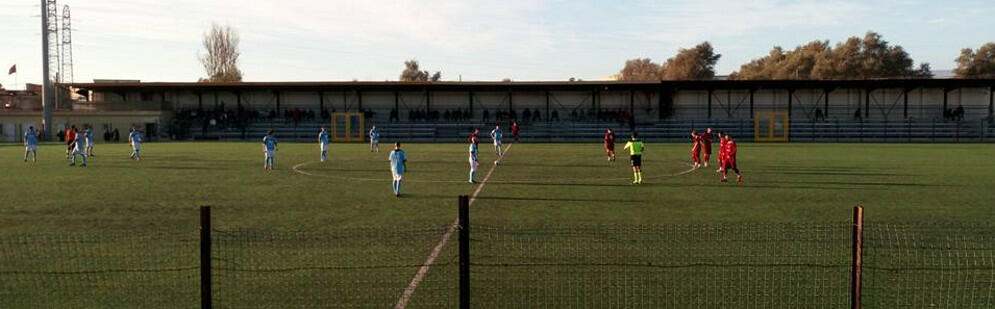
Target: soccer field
[
  {"x": 535, "y": 184},
  {"x": 558, "y": 186}
]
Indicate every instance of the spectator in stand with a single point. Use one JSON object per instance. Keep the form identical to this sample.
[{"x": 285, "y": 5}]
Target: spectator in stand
[
  {"x": 486, "y": 116},
  {"x": 535, "y": 115},
  {"x": 555, "y": 116}
]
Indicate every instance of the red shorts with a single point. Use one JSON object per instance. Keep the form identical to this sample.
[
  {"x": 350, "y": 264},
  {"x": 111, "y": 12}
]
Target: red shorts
[
  {"x": 729, "y": 163},
  {"x": 610, "y": 147},
  {"x": 708, "y": 149}
]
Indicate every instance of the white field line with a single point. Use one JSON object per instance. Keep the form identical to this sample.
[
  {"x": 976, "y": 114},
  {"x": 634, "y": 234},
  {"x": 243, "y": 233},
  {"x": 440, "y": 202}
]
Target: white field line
[{"x": 423, "y": 270}]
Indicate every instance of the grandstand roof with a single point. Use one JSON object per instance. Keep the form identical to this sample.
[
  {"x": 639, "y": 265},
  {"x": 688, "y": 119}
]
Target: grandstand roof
[{"x": 539, "y": 85}]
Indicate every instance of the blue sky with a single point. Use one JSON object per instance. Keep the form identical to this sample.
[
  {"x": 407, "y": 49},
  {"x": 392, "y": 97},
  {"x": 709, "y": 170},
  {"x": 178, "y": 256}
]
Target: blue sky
[{"x": 154, "y": 40}]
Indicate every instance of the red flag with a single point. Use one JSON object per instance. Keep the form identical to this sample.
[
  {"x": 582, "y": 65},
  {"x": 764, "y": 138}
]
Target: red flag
[{"x": 13, "y": 69}]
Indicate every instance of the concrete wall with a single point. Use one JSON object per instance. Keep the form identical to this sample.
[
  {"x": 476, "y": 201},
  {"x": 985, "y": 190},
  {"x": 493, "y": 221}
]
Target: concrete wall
[{"x": 14, "y": 124}]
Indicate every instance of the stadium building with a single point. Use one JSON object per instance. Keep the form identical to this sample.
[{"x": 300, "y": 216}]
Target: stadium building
[{"x": 901, "y": 110}]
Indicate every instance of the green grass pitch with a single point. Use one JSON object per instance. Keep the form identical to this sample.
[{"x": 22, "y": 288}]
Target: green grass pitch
[{"x": 556, "y": 185}]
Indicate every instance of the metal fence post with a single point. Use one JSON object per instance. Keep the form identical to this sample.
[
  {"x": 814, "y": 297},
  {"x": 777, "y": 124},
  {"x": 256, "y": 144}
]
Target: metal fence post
[
  {"x": 205, "y": 257},
  {"x": 464, "y": 252},
  {"x": 857, "y": 248}
]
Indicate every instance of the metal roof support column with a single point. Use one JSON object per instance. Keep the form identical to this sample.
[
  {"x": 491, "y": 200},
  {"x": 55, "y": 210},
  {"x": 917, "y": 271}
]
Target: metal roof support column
[{"x": 710, "y": 103}]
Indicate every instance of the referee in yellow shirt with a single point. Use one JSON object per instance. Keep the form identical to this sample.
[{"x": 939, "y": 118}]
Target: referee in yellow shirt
[{"x": 636, "y": 147}]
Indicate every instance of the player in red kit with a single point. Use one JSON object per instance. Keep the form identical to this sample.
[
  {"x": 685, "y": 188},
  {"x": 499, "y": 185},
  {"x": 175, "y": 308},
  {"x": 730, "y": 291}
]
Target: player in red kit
[
  {"x": 696, "y": 148},
  {"x": 474, "y": 136},
  {"x": 706, "y": 143},
  {"x": 729, "y": 161},
  {"x": 514, "y": 130},
  {"x": 722, "y": 150},
  {"x": 610, "y": 145}
]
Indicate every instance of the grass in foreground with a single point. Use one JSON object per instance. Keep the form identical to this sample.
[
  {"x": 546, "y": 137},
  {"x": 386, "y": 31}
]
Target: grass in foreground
[{"x": 551, "y": 185}]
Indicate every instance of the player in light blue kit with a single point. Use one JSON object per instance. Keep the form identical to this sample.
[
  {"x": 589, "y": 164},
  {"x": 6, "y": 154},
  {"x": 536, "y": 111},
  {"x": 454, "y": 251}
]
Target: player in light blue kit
[
  {"x": 496, "y": 135},
  {"x": 31, "y": 144},
  {"x": 269, "y": 150},
  {"x": 473, "y": 161},
  {"x": 89, "y": 141},
  {"x": 135, "y": 138},
  {"x": 79, "y": 150},
  {"x": 398, "y": 163},
  {"x": 374, "y": 139},
  {"x": 323, "y": 140}
]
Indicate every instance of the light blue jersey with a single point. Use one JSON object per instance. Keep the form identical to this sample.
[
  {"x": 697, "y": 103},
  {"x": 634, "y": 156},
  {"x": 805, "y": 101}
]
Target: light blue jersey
[
  {"x": 374, "y": 135},
  {"x": 89, "y": 137},
  {"x": 80, "y": 144},
  {"x": 270, "y": 143},
  {"x": 31, "y": 138},
  {"x": 135, "y": 137},
  {"x": 324, "y": 138},
  {"x": 496, "y": 134},
  {"x": 473, "y": 152},
  {"x": 397, "y": 160}
]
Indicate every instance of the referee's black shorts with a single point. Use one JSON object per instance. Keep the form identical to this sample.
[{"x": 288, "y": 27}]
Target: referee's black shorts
[{"x": 637, "y": 160}]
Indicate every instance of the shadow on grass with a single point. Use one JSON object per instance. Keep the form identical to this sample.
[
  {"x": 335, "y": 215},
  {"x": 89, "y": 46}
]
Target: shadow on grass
[
  {"x": 549, "y": 199},
  {"x": 578, "y": 184}
]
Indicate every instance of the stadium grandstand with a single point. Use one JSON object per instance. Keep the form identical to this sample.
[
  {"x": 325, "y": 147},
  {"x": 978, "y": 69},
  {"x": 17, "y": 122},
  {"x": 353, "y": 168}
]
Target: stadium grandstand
[{"x": 899, "y": 110}]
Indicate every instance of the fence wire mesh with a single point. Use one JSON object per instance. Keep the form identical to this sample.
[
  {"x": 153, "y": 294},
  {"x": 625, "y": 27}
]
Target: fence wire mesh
[
  {"x": 920, "y": 266},
  {"x": 698, "y": 266},
  {"x": 99, "y": 270},
  {"x": 716, "y": 266},
  {"x": 345, "y": 268}
]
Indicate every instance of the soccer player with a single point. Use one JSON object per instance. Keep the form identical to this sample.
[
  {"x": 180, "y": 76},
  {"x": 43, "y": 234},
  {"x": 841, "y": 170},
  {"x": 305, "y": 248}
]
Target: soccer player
[
  {"x": 70, "y": 140},
  {"x": 31, "y": 144},
  {"x": 374, "y": 139},
  {"x": 323, "y": 140},
  {"x": 729, "y": 162},
  {"x": 706, "y": 143},
  {"x": 79, "y": 149},
  {"x": 496, "y": 135},
  {"x": 475, "y": 136},
  {"x": 135, "y": 138},
  {"x": 636, "y": 147},
  {"x": 473, "y": 161},
  {"x": 269, "y": 150},
  {"x": 89, "y": 141},
  {"x": 610, "y": 145},
  {"x": 398, "y": 163},
  {"x": 722, "y": 151},
  {"x": 696, "y": 148},
  {"x": 514, "y": 131}
]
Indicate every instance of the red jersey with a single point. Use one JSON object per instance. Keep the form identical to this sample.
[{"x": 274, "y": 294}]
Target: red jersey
[
  {"x": 730, "y": 151},
  {"x": 722, "y": 147},
  {"x": 696, "y": 140},
  {"x": 706, "y": 141},
  {"x": 473, "y": 138},
  {"x": 609, "y": 140},
  {"x": 70, "y": 136},
  {"x": 514, "y": 128}
]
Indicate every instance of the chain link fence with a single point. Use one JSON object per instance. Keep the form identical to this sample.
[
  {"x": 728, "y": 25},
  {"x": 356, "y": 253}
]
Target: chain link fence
[{"x": 748, "y": 265}]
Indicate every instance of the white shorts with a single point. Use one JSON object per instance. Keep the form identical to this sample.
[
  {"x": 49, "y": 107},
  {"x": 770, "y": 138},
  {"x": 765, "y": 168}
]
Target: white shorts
[
  {"x": 136, "y": 147},
  {"x": 374, "y": 141},
  {"x": 397, "y": 176},
  {"x": 31, "y": 148},
  {"x": 473, "y": 165},
  {"x": 497, "y": 143},
  {"x": 269, "y": 153},
  {"x": 324, "y": 147}
]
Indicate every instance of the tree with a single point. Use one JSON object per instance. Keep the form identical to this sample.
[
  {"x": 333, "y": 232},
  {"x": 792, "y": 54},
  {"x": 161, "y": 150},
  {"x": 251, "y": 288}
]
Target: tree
[
  {"x": 412, "y": 73},
  {"x": 688, "y": 64},
  {"x": 975, "y": 64},
  {"x": 855, "y": 58},
  {"x": 639, "y": 69},
  {"x": 221, "y": 60}
]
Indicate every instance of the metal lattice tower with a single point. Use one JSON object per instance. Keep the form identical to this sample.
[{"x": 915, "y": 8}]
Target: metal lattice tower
[
  {"x": 66, "y": 71},
  {"x": 52, "y": 28}
]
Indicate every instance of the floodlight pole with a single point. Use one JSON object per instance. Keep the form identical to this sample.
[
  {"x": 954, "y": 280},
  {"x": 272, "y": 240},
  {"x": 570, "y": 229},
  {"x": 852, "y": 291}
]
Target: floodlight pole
[{"x": 46, "y": 92}]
